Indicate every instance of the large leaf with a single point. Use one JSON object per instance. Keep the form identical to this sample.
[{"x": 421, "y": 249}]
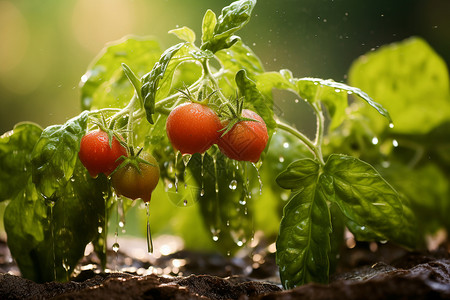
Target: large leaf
[
  {"x": 232, "y": 18},
  {"x": 15, "y": 154},
  {"x": 410, "y": 80},
  {"x": 366, "y": 199},
  {"x": 55, "y": 154},
  {"x": 104, "y": 84},
  {"x": 303, "y": 244},
  {"x": 55, "y": 233}
]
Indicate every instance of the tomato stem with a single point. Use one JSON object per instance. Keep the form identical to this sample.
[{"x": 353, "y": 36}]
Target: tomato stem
[{"x": 315, "y": 149}]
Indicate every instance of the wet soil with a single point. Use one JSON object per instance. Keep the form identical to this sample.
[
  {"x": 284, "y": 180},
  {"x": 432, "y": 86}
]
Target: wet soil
[{"x": 368, "y": 271}]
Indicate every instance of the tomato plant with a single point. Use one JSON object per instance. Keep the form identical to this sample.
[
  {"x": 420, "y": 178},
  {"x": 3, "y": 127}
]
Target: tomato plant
[
  {"x": 98, "y": 154},
  {"x": 351, "y": 174}
]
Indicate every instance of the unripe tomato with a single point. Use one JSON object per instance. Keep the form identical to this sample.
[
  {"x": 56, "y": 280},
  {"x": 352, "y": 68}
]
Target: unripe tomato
[
  {"x": 134, "y": 183},
  {"x": 246, "y": 140},
  {"x": 192, "y": 128},
  {"x": 96, "y": 154}
]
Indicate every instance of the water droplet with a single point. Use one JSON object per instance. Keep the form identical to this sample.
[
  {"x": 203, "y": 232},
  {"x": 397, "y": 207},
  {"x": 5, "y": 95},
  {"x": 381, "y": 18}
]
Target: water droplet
[
  {"x": 202, "y": 192},
  {"x": 243, "y": 201},
  {"x": 395, "y": 143},
  {"x": 285, "y": 145},
  {"x": 115, "y": 247},
  {"x": 375, "y": 140},
  {"x": 296, "y": 100},
  {"x": 185, "y": 202},
  {"x": 337, "y": 90},
  {"x": 385, "y": 164},
  {"x": 349, "y": 92},
  {"x": 391, "y": 125},
  {"x": 281, "y": 159},
  {"x": 259, "y": 178},
  {"x": 228, "y": 223},
  {"x": 100, "y": 229},
  {"x": 175, "y": 172},
  {"x": 149, "y": 232},
  {"x": 215, "y": 238},
  {"x": 121, "y": 224},
  {"x": 233, "y": 184},
  {"x": 239, "y": 243}
]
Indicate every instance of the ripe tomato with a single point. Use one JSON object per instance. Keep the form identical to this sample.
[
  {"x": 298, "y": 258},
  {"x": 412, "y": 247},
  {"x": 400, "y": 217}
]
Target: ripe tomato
[
  {"x": 96, "y": 154},
  {"x": 246, "y": 140},
  {"x": 134, "y": 183},
  {"x": 192, "y": 128}
]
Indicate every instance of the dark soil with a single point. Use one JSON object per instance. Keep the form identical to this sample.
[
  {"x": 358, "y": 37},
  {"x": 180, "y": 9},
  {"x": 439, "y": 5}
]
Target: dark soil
[{"x": 387, "y": 273}]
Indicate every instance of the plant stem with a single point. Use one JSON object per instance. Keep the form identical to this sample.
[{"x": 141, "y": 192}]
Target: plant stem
[
  {"x": 320, "y": 130},
  {"x": 316, "y": 150}
]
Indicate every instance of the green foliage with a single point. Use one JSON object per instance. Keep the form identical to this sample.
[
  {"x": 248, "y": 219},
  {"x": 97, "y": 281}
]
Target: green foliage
[
  {"x": 15, "y": 155},
  {"x": 410, "y": 80},
  {"x": 55, "y": 154}
]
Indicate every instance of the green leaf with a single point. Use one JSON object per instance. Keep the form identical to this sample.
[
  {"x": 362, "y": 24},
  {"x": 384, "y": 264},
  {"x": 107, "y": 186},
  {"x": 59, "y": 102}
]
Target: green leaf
[
  {"x": 303, "y": 244},
  {"x": 25, "y": 220},
  {"x": 334, "y": 96},
  {"x": 208, "y": 25},
  {"x": 55, "y": 154},
  {"x": 232, "y": 18},
  {"x": 410, "y": 80},
  {"x": 366, "y": 199},
  {"x": 48, "y": 241},
  {"x": 184, "y": 33},
  {"x": 15, "y": 154},
  {"x": 254, "y": 99},
  {"x": 151, "y": 80},
  {"x": 238, "y": 57},
  {"x": 104, "y": 83}
]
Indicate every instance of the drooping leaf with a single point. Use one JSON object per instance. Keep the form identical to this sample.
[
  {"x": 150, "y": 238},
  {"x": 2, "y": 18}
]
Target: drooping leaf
[
  {"x": 15, "y": 154},
  {"x": 232, "y": 18},
  {"x": 303, "y": 243},
  {"x": 184, "y": 33},
  {"x": 55, "y": 154},
  {"x": 334, "y": 96},
  {"x": 151, "y": 80},
  {"x": 410, "y": 80},
  {"x": 255, "y": 100},
  {"x": 104, "y": 83},
  {"x": 366, "y": 199}
]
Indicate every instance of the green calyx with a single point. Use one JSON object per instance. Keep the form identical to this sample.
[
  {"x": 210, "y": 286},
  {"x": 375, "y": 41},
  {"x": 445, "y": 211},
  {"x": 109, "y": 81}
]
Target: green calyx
[
  {"x": 233, "y": 115},
  {"x": 133, "y": 160}
]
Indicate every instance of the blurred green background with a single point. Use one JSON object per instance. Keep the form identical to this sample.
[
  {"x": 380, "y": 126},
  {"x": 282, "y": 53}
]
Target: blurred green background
[{"x": 46, "y": 46}]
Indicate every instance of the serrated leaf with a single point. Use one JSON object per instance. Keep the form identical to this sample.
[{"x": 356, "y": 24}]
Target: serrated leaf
[
  {"x": 151, "y": 80},
  {"x": 104, "y": 83},
  {"x": 231, "y": 19},
  {"x": 255, "y": 100},
  {"x": 303, "y": 243},
  {"x": 55, "y": 154},
  {"x": 410, "y": 80},
  {"x": 15, "y": 154},
  {"x": 366, "y": 199},
  {"x": 184, "y": 33}
]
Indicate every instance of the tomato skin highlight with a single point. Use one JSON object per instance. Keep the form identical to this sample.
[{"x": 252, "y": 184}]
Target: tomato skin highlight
[
  {"x": 192, "y": 128},
  {"x": 246, "y": 140},
  {"x": 96, "y": 154},
  {"x": 129, "y": 182}
]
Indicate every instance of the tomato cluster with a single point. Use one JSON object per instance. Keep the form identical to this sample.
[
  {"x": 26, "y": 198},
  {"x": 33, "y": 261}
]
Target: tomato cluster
[
  {"x": 194, "y": 128},
  {"x": 133, "y": 177}
]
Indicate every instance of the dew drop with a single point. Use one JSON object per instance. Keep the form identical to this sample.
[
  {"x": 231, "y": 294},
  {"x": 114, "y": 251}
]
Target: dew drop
[
  {"x": 285, "y": 145},
  {"x": 391, "y": 125},
  {"x": 281, "y": 159},
  {"x": 185, "y": 202},
  {"x": 233, "y": 184},
  {"x": 375, "y": 140},
  {"x": 337, "y": 90},
  {"x": 100, "y": 229},
  {"x": 115, "y": 247},
  {"x": 395, "y": 143},
  {"x": 215, "y": 238},
  {"x": 202, "y": 192}
]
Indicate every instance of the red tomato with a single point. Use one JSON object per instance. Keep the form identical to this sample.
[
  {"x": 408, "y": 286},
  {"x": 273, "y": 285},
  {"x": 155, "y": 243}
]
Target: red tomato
[
  {"x": 96, "y": 154},
  {"x": 134, "y": 183},
  {"x": 246, "y": 140},
  {"x": 192, "y": 128}
]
